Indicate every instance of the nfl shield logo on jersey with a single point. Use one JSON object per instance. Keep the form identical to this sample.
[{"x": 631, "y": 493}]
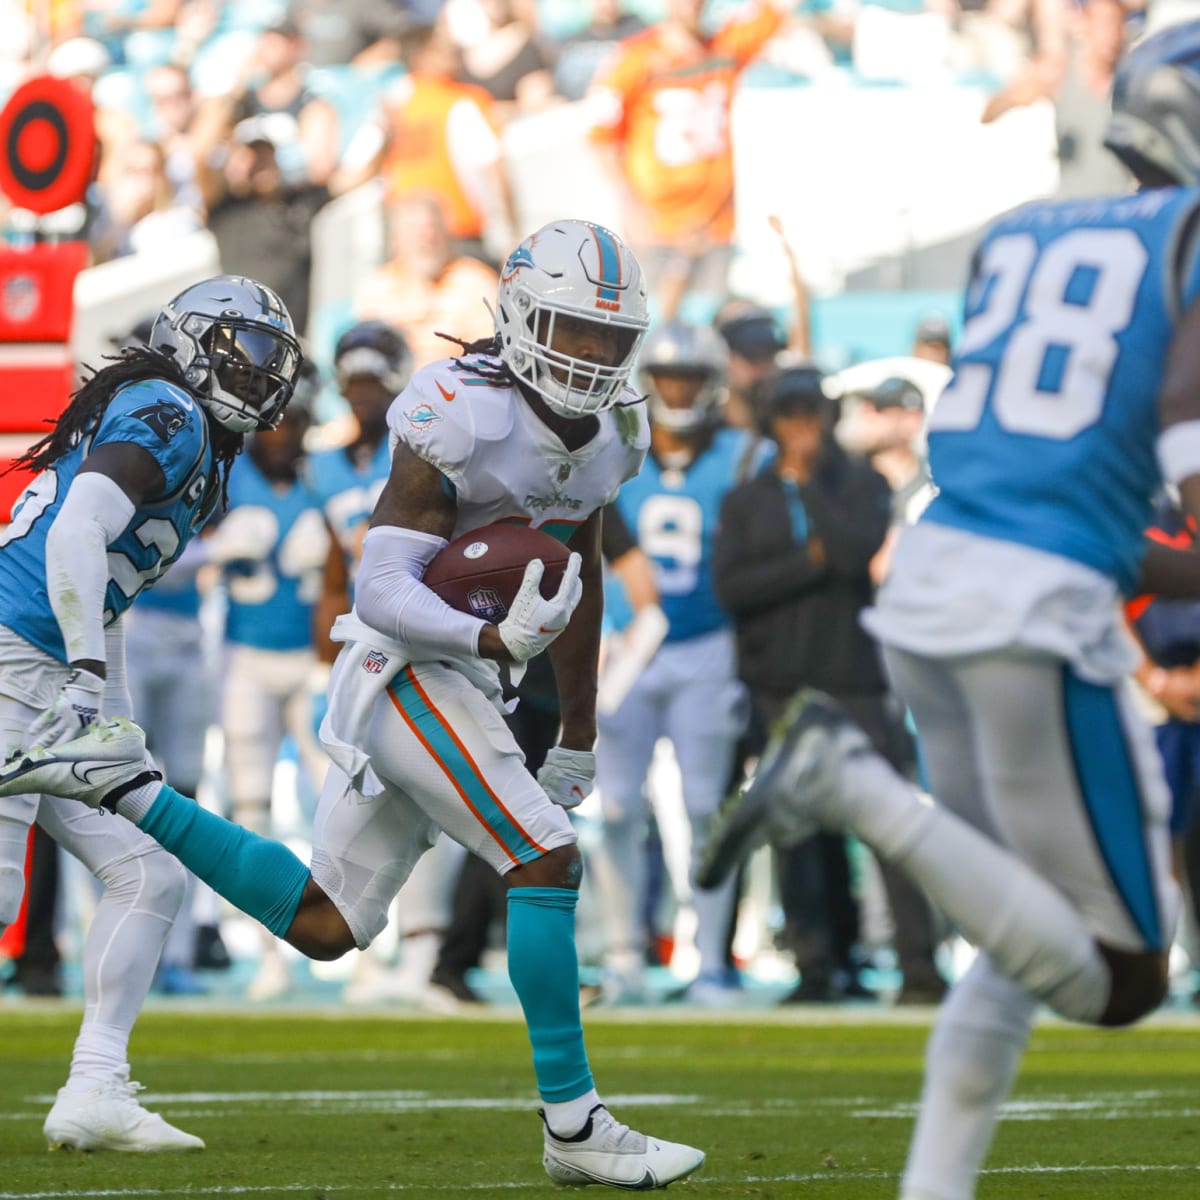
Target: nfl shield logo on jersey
[
  {"x": 374, "y": 662},
  {"x": 486, "y": 604}
]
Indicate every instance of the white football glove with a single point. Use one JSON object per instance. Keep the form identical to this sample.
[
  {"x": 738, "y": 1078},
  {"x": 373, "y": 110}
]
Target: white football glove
[
  {"x": 75, "y": 707},
  {"x": 533, "y": 622},
  {"x": 568, "y": 776}
]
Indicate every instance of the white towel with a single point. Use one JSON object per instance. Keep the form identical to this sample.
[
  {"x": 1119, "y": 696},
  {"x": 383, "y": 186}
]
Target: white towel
[{"x": 366, "y": 664}]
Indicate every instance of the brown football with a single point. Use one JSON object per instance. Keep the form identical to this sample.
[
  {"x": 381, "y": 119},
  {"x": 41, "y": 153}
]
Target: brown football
[{"x": 481, "y": 571}]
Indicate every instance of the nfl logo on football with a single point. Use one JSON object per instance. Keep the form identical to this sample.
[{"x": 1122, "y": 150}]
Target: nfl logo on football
[
  {"x": 374, "y": 662},
  {"x": 486, "y": 604}
]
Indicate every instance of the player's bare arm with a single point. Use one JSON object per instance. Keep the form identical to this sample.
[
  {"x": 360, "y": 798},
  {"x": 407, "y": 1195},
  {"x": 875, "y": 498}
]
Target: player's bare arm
[
  {"x": 416, "y": 496},
  {"x": 333, "y": 600}
]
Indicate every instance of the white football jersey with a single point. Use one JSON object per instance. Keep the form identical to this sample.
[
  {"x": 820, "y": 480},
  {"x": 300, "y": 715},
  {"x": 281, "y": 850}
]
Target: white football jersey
[{"x": 504, "y": 462}]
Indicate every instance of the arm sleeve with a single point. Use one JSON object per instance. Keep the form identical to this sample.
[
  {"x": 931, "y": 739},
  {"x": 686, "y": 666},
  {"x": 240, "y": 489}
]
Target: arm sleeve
[
  {"x": 94, "y": 513},
  {"x": 389, "y": 595},
  {"x": 117, "y": 700}
]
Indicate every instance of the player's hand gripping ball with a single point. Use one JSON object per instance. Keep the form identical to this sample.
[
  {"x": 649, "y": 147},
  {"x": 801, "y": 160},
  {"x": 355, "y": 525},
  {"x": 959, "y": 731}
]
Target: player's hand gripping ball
[{"x": 481, "y": 572}]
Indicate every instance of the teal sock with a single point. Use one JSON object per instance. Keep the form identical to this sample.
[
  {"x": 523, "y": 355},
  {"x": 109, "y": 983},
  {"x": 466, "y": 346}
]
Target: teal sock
[
  {"x": 262, "y": 878},
  {"x": 544, "y": 969}
]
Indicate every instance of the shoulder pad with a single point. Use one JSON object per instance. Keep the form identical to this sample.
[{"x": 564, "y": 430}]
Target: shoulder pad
[
  {"x": 161, "y": 418},
  {"x": 447, "y": 409}
]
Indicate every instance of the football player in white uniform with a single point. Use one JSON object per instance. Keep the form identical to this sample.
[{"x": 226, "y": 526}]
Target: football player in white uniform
[{"x": 537, "y": 426}]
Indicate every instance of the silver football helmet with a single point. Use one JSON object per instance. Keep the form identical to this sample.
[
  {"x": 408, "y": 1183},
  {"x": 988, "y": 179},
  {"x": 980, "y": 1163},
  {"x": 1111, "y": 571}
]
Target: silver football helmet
[
  {"x": 694, "y": 351},
  {"x": 234, "y": 340},
  {"x": 1155, "y": 125},
  {"x": 570, "y": 269}
]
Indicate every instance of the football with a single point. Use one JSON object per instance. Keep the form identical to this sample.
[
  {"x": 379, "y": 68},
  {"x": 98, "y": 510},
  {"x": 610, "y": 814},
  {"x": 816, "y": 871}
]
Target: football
[{"x": 481, "y": 571}]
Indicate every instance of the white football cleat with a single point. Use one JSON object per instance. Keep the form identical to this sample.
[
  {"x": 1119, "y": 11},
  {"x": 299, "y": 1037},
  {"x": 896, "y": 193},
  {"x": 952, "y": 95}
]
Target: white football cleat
[
  {"x": 795, "y": 792},
  {"x": 110, "y": 1118},
  {"x": 100, "y": 766},
  {"x": 606, "y": 1152}
]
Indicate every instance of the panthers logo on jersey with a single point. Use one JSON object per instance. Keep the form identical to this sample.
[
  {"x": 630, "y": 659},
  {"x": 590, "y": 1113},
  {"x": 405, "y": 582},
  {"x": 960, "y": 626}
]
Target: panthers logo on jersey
[{"x": 165, "y": 419}]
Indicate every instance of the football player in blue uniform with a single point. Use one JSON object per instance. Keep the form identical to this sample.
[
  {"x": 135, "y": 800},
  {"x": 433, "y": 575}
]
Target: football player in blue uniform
[
  {"x": 134, "y": 467},
  {"x": 689, "y": 692},
  {"x": 372, "y": 363},
  {"x": 271, "y": 546},
  {"x": 1076, "y": 393}
]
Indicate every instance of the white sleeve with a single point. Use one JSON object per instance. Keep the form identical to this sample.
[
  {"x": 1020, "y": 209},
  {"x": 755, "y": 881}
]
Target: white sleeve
[
  {"x": 389, "y": 595},
  {"x": 94, "y": 513},
  {"x": 117, "y": 701}
]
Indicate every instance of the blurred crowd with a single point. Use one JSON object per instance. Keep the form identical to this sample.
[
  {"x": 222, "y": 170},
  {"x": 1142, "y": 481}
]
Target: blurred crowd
[
  {"x": 738, "y": 562},
  {"x": 248, "y": 118}
]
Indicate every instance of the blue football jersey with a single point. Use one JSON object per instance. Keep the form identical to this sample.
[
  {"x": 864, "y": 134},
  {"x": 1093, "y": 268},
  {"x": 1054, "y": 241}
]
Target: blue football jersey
[
  {"x": 673, "y": 514},
  {"x": 1046, "y": 435},
  {"x": 175, "y": 595},
  {"x": 271, "y": 599},
  {"x": 347, "y": 495},
  {"x": 166, "y": 421}
]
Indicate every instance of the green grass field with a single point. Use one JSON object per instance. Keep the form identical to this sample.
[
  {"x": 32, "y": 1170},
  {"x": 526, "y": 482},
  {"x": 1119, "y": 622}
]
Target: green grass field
[{"x": 323, "y": 1105}]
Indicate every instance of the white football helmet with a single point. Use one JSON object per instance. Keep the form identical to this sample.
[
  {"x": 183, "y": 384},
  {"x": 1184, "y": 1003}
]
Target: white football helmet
[
  {"x": 579, "y": 270},
  {"x": 694, "y": 351},
  {"x": 234, "y": 340}
]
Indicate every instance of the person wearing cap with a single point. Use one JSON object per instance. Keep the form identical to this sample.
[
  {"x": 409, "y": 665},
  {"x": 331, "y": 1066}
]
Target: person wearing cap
[
  {"x": 754, "y": 339},
  {"x": 260, "y": 220},
  {"x": 791, "y": 565},
  {"x": 885, "y": 423},
  {"x": 303, "y": 126},
  {"x": 931, "y": 340}
]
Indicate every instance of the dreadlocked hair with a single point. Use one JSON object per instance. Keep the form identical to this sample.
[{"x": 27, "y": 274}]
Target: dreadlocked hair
[
  {"x": 490, "y": 348},
  {"x": 90, "y": 402}
]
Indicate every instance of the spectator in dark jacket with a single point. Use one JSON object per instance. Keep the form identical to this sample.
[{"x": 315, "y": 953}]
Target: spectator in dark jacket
[{"x": 791, "y": 564}]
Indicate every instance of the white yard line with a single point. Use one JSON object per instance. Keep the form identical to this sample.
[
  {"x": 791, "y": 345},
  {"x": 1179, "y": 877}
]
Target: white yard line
[{"x": 699, "y": 1180}]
